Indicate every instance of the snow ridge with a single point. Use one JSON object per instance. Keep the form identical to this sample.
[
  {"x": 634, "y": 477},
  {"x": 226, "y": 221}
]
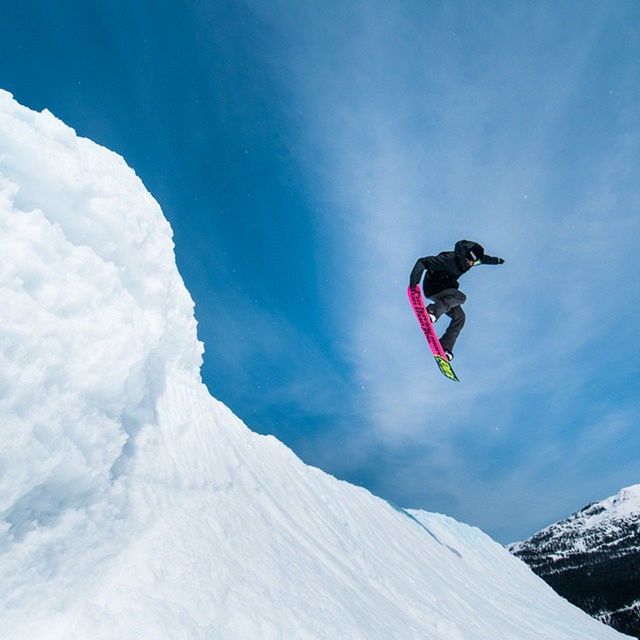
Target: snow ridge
[
  {"x": 592, "y": 558},
  {"x": 134, "y": 505},
  {"x": 608, "y": 527},
  {"x": 94, "y": 314}
]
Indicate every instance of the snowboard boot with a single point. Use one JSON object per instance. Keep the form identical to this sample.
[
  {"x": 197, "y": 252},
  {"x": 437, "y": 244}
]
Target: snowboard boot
[{"x": 448, "y": 354}]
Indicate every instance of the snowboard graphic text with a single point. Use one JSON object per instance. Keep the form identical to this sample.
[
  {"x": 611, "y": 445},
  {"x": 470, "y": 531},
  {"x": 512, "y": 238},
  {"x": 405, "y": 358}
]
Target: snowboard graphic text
[{"x": 417, "y": 303}]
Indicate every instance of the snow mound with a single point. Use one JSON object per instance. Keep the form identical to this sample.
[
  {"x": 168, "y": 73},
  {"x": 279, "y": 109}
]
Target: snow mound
[{"x": 134, "y": 505}]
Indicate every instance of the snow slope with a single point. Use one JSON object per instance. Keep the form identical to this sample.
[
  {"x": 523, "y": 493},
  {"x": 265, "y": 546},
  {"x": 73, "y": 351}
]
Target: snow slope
[{"x": 135, "y": 506}]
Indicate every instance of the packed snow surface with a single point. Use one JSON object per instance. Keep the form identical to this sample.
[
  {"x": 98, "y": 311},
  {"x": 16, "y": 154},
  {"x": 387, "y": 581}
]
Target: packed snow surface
[{"x": 136, "y": 506}]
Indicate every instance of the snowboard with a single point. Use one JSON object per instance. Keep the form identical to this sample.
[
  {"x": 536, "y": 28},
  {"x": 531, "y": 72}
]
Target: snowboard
[{"x": 417, "y": 303}]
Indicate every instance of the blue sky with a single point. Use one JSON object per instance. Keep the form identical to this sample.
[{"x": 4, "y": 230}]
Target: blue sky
[{"x": 306, "y": 153}]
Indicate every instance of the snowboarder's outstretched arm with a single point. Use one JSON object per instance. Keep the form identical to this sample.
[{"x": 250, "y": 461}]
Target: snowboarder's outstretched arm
[
  {"x": 434, "y": 263},
  {"x": 491, "y": 260}
]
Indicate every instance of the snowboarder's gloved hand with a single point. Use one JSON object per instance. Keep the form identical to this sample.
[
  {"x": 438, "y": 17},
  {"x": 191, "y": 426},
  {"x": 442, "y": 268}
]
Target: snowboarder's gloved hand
[{"x": 500, "y": 260}]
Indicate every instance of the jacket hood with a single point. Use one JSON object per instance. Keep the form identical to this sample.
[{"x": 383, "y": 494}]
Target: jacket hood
[{"x": 462, "y": 249}]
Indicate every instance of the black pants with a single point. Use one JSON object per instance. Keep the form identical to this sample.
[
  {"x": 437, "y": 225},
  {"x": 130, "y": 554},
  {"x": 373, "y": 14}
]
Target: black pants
[{"x": 448, "y": 302}]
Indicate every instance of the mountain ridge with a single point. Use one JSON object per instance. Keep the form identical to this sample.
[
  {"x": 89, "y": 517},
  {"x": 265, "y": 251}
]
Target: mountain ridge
[{"x": 592, "y": 558}]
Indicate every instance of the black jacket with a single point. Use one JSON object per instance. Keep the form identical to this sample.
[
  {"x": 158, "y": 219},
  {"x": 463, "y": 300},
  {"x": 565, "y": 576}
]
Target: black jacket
[{"x": 444, "y": 269}]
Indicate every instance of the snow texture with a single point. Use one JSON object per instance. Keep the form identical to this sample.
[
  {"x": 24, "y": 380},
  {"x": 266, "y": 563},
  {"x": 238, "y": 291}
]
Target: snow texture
[{"x": 135, "y": 506}]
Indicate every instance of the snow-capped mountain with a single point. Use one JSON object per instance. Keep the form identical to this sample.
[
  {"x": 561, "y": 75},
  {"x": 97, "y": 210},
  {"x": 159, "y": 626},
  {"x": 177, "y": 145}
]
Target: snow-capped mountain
[
  {"x": 593, "y": 559},
  {"x": 135, "y": 506}
]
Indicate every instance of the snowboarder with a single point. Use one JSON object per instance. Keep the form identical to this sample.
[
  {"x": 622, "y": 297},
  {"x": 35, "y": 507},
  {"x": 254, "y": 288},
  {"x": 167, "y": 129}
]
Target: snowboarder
[{"x": 441, "y": 285}]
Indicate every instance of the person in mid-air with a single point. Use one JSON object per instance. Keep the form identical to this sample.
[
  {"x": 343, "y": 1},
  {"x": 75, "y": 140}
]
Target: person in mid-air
[{"x": 441, "y": 285}]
